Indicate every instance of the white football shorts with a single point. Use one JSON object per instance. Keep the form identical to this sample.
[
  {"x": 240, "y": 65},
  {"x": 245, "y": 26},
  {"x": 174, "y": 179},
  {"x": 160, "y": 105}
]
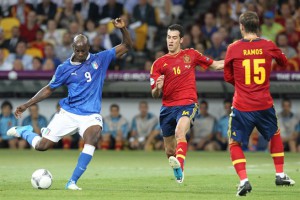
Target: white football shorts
[{"x": 66, "y": 123}]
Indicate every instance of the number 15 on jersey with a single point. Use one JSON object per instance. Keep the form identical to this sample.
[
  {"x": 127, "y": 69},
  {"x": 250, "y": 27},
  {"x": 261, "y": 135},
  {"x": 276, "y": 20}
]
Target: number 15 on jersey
[{"x": 259, "y": 72}]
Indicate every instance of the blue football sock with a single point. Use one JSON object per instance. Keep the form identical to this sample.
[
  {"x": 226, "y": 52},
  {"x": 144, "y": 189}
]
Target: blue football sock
[
  {"x": 28, "y": 136},
  {"x": 82, "y": 163}
]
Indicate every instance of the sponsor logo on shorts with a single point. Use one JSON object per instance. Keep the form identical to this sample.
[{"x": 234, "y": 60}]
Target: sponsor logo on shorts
[{"x": 185, "y": 112}]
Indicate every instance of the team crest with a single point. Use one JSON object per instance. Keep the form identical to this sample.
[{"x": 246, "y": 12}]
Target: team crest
[
  {"x": 95, "y": 65},
  {"x": 186, "y": 59}
]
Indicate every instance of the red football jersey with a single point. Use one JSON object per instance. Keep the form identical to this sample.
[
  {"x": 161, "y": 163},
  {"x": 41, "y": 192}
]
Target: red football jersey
[
  {"x": 179, "y": 72},
  {"x": 248, "y": 68}
]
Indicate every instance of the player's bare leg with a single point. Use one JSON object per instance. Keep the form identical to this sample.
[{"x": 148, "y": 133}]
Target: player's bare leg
[
  {"x": 277, "y": 153},
  {"x": 90, "y": 137},
  {"x": 239, "y": 163}
]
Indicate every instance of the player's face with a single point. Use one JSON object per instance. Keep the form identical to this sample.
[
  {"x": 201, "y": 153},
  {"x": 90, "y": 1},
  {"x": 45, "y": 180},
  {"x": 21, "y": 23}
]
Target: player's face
[
  {"x": 173, "y": 41},
  {"x": 81, "y": 52}
]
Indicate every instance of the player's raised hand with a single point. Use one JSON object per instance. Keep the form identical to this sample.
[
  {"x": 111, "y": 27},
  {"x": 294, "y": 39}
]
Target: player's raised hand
[
  {"x": 19, "y": 111},
  {"x": 160, "y": 82},
  {"x": 118, "y": 23}
]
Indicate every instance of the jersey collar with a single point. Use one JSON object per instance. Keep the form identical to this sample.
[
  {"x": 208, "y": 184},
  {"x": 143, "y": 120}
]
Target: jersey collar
[{"x": 77, "y": 63}]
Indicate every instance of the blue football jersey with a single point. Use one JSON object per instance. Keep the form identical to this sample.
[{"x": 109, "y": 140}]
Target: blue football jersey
[{"x": 84, "y": 81}]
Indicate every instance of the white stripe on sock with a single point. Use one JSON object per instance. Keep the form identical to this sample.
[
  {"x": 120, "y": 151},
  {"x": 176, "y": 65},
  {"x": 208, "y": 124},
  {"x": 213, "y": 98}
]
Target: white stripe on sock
[
  {"x": 35, "y": 140},
  {"x": 88, "y": 149}
]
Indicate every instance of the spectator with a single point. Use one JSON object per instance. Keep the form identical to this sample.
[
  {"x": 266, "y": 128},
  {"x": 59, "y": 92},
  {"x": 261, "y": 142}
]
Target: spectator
[
  {"x": 237, "y": 7},
  {"x": 29, "y": 29},
  {"x": 154, "y": 140},
  {"x": 87, "y": 10},
  {"x": 74, "y": 29},
  {"x": 282, "y": 43},
  {"x": 64, "y": 50},
  {"x": 67, "y": 15},
  {"x": 145, "y": 13},
  {"x": 163, "y": 9},
  {"x": 7, "y": 120},
  {"x": 148, "y": 65},
  {"x": 109, "y": 39},
  {"x": 177, "y": 9},
  {"x": 209, "y": 26},
  {"x": 269, "y": 29},
  {"x": 225, "y": 35},
  {"x": 34, "y": 119},
  {"x": 217, "y": 47},
  {"x": 203, "y": 131},
  {"x": 11, "y": 43},
  {"x": 52, "y": 35},
  {"x": 285, "y": 13},
  {"x": 129, "y": 6},
  {"x": 296, "y": 60},
  {"x": 18, "y": 65},
  {"x": 197, "y": 36},
  {"x": 115, "y": 129},
  {"x": 90, "y": 30},
  {"x": 37, "y": 63},
  {"x": 2, "y": 39},
  {"x": 39, "y": 42},
  {"x": 96, "y": 45},
  {"x": 223, "y": 16},
  {"x": 50, "y": 55},
  {"x": 46, "y": 10},
  {"x": 48, "y": 65},
  {"x": 222, "y": 126},
  {"x": 112, "y": 9},
  {"x": 142, "y": 126},
  {"x": 20, "y": 10},
  {"x": 20, "y": 54},
  {"x": 288, "y": 122},
  {"x": 187, "y": 41},
  {"x": 292, "y": 33},
  {"x": 4, "y": 66}
]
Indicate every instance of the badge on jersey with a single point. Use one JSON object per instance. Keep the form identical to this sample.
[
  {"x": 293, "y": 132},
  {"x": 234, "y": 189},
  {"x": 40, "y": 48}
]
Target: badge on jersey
[
  {"x": 95, "y": 65},
  {"x": 187, "y": 60}
]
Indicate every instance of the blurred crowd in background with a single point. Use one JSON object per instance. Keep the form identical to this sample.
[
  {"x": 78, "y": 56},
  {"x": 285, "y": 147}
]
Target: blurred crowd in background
[
  {"x": 37, "y": 34},
  {"x": 143, "y": 131}
]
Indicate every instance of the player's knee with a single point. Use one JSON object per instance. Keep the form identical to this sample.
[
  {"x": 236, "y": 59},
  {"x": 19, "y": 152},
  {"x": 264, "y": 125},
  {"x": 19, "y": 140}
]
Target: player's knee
[{"x": 92, "y": 136}]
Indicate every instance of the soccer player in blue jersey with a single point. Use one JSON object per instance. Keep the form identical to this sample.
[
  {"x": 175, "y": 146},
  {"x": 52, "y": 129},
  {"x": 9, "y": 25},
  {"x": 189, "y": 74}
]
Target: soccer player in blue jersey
[{"x": 83, "y": 74}]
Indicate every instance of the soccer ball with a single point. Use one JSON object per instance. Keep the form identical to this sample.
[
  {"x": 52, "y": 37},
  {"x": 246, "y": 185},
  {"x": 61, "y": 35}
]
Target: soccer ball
[{"x": 41, "y": 179}]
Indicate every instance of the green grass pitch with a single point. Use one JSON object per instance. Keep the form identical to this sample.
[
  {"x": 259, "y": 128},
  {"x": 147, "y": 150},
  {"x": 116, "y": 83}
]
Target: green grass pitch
[{"x": 142, "y": 175}]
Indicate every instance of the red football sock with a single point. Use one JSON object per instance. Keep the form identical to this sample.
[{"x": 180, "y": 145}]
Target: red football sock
[
  {"x": 119, "y": 145},
  {"x": 277, "y": 152},
  {"x": 105, "y": 145},
  {"x": 66, "y": 143},
  {"x": 181, "y": 150},
  {"x": 238, "y": 160}
]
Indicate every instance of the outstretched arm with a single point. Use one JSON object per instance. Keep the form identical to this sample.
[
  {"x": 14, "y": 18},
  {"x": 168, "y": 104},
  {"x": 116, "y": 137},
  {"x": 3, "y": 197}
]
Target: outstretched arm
[
  {"x": 126, "y": 42},
  {"x": 156, "y": 92},
  {"x": 217, "y": 65},
  {"x": 42, "y": 94}
]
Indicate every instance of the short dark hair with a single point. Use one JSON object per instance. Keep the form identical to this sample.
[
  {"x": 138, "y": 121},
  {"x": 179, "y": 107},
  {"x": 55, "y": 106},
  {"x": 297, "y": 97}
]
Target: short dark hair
[
  {"x": 227, "y": 101},
  {"x": 6, "y": 103},
  {"x": 177, "y": 27},
  {"x": 114, "y": 106},
  {"x": 204, "y": 102},
  {"x": 143, "y": 102},
  {"x": 286, "y": 100},
  {"x": 250, "y": 21}
]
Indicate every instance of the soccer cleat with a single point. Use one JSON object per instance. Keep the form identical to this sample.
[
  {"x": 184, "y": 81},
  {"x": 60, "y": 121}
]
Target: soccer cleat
[
  {"x": 178, "y": 173},
  {"x": 244, "y": 189},
  {"x": 16, "y": 131},
  {"x": 285, "y": 181},
  {"x": 71, "y": 185}
]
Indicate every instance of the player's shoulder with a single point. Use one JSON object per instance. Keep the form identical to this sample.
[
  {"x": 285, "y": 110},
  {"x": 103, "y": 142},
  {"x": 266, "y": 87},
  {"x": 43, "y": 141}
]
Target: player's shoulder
[
  {"x": 190, "y": 51},
  {"x": 235, "y": 43},
  {"x": 160, "y": 60},
  {"x": 64, "y": 66}
]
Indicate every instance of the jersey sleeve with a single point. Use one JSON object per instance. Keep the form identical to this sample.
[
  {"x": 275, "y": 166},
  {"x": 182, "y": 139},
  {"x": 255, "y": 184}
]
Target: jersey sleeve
[
  {"x": 59, "y": 78},
  {"x": 277, "y": 54},
  {"x": 155, "y": 72},
  {"x": 105, "y": 57},
  {"x": 202, "y": 60},
  {"x": 228, "y": 66}
]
